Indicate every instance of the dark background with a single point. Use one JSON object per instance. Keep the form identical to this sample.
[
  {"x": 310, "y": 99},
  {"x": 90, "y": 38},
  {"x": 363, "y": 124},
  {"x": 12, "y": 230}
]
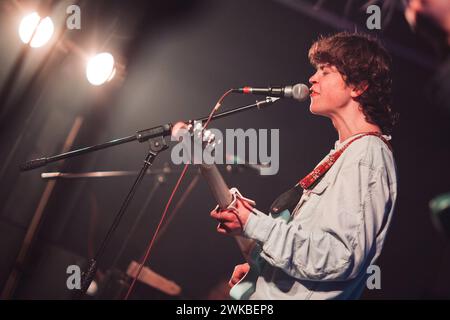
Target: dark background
[{"x": 179, "y": 58}]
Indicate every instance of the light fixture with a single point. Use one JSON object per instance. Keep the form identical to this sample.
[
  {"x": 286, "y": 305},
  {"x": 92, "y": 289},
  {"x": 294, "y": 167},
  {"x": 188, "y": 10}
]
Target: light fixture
[
  {"x": 38, "y": 30},
  {"x": 100, "y": 69}
]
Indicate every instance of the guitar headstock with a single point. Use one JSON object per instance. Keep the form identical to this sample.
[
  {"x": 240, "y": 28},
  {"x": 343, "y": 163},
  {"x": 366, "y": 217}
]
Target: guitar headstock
[
  {"x": 195, "y": 139},
  {"x": 206, "y": 136}
]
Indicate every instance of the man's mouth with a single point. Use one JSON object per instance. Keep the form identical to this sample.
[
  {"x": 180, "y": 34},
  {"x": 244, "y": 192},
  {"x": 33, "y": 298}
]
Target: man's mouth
[{"x": 313, "y": 93}]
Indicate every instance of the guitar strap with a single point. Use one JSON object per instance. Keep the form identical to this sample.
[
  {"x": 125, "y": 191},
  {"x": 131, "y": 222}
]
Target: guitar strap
[{"x": 289, "y": 199}]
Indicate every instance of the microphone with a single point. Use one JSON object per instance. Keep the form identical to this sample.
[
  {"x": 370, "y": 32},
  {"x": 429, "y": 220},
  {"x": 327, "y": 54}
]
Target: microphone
[{"x": 298, "y": 92}]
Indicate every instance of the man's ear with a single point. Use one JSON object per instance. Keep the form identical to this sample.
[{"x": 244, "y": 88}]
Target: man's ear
[{"x": 359, "y": 89}]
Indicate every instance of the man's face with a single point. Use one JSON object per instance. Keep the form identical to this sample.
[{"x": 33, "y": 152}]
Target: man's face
[
  {"x": 329, "y": 91},
  {"x": 430, "y": 19},
  {"x": 436, "y": 10}
]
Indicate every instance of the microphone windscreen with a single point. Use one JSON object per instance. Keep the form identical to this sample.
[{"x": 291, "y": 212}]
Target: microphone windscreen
[{"x": 300, "y": 92}]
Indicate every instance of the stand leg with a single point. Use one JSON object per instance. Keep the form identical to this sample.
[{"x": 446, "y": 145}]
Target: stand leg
[{"x": 87, "y": 277}]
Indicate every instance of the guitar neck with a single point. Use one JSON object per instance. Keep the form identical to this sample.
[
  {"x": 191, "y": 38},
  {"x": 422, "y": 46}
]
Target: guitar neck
[
  {"x": 217, "y": 185},
  {"x": 223, "y": 196}
]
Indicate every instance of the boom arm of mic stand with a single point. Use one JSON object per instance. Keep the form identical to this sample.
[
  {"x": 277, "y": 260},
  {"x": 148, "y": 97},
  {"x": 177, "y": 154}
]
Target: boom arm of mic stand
[
  {"x": 141, "y": 136},
  {"x": 259, "y": 104}
]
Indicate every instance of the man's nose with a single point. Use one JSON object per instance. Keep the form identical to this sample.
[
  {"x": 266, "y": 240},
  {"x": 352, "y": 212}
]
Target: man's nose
[
  {"x": 413, "y": 8},
  {"x": 313, "y": 79}
]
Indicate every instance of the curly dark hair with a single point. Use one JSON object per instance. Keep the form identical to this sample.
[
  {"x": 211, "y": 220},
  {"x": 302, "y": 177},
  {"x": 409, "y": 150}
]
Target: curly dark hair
[{"x": 362, "y": 61}]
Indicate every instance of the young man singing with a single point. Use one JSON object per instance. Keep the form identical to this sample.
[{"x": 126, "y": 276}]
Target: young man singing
[{"x": 338, "y": 227}]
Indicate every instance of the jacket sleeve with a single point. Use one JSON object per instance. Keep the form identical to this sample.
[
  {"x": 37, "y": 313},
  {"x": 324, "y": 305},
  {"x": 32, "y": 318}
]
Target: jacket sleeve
[{"x": 336, "y": 248}]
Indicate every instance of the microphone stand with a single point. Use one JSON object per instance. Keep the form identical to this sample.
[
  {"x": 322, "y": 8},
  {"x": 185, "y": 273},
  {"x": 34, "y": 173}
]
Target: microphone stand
[
  {"x": 160, "y": 179},
  {"x": 156, "y": 137},
  {"x": 153, "y": 151}
]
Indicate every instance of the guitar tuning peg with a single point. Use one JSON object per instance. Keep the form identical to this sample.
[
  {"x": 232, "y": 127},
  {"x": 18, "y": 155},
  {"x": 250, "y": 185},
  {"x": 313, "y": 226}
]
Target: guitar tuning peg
[{"x": 198, "y": 126}]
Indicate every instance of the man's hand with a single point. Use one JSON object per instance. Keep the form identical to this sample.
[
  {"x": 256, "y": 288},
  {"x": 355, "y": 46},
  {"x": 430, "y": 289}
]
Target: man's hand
[
  {"x": 232, "y": 222},
  {"x": 239, "y": 272},
  {"x": 178, "y": 130}
]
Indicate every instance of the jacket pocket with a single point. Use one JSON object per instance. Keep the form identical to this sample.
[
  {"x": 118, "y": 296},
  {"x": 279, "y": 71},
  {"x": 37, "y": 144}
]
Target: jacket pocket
[
  {"x": 320, "y": 187},
  {"x": 310, "y": 199}
]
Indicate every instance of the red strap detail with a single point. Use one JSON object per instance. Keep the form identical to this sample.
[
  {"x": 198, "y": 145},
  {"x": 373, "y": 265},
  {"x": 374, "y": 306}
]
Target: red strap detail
[{"x": 321, "y": 169}]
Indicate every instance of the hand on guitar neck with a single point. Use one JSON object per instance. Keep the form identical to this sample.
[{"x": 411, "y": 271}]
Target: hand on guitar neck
[{"x": 232, "y": 221}]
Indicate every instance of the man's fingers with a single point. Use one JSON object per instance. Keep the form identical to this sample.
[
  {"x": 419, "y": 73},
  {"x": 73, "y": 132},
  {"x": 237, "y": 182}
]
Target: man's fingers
[
  {"x": 233, "y": 281},
  {"x": 239, "y": 272},
  {"x": 177, "y": 129},
  {"x": 248, "y": 206},
  {"x": 223, "y": 216},
  {"x": 223, "y": 229},
  {"x": 235, "y": 278},
  {"x": 245, "y": 204},
  {"x": 214, "y": 213}
]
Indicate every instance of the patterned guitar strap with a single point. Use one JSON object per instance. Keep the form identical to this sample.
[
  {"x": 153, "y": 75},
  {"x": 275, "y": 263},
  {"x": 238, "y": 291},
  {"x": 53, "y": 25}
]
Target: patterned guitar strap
[{"x": 290, "y": 198}]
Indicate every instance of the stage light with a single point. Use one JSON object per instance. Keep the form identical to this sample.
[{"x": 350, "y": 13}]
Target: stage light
[
  {"x": 100, "y": 69},
  {"x": 44, "y": 30}
]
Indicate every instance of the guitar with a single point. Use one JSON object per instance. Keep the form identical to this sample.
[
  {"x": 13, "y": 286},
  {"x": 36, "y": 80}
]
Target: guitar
[{"x": 226, "y": 198}]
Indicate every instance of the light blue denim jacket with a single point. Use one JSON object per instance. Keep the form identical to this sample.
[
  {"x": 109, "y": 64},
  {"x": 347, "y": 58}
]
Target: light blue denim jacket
[{"x": 336, "y": 232}]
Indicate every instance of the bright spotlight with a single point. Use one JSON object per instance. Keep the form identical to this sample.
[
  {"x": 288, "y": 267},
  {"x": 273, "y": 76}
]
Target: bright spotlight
[
  {"x": 100, "y": 69},
  {"x": 44, "y": 30}
]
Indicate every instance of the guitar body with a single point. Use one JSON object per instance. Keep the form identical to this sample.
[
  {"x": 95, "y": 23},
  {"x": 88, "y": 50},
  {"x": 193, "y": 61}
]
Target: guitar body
[{"x": 246, "y": 287}]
